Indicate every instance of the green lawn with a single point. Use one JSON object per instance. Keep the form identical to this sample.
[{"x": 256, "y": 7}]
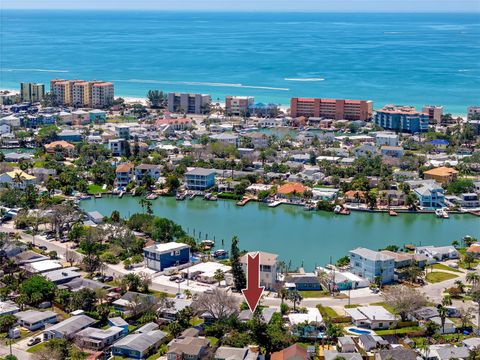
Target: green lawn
[
  {"x": 351, "y": 306},
  {"x": 38, "y": 347},
  {"x": 327, "y": 311},
  {"x": 213, "y": 341},
  {"x": 438, "y": 276},
  {"x": 404, "y": 330},
  {"x": 314, "y": 294},
  {"x": 95, "y": 189},
  {"x": 445, "y": 267}
]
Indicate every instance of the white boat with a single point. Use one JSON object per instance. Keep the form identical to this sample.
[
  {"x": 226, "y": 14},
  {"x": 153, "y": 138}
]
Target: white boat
[
  {"x": 121, "y": 194},
  {"x": 337, "y": 209},
  {"x": 152, "y": 196},
  {"x": 442, "y": 213}
]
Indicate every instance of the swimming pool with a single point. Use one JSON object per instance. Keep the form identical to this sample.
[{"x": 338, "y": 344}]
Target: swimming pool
[{"x": 359, "y": 331}]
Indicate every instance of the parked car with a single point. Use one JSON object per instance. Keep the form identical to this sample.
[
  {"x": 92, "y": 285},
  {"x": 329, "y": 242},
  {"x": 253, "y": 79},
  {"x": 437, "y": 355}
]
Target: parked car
[
  {"x": 179, "y": 280},
  {"x": 173, "y": 278},
  {"x": 34, "y": 341},
  {"x": 43, "y": 247},
  {"x": 108, "y": 278}
]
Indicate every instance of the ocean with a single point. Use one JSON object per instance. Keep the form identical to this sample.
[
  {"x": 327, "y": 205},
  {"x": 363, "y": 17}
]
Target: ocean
[{"x": 412, "y": 59}]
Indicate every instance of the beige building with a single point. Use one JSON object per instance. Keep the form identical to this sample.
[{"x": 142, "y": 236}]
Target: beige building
[
  {"x": 434, "y": 113},
  {"x": 31, "y": 92},
  {"x": 268, "y": 268},
  {"x": 80, "y": 93}
]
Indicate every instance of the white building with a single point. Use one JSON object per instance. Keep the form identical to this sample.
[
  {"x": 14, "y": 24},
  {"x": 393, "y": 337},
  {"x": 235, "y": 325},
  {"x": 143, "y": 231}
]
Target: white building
[
  {"x": 373, "y": 317},
  {"x": 268, "y": 268},
  {"x": 386, "y": 138}
]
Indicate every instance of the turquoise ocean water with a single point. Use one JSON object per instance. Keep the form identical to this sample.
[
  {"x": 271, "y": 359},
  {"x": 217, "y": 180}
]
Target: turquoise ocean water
[{"x": 388, "y": 58}]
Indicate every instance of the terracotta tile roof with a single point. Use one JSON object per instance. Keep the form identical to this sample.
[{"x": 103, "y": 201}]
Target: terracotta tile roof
[
  {"x": 62, "y": 143},
  {"x": 125, "y": 167},
  {"x": 441, "y": 171},
  {"x": 294, "y": 352},
  {"x": 290, "y": 188}
]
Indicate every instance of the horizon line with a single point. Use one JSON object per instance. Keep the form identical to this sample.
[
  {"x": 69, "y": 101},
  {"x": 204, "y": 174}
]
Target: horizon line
[{"x": 70, "y": 9}]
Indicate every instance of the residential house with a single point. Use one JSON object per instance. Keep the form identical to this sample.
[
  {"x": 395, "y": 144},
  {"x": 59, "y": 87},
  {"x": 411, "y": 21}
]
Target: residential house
[
  {"x": 469, "y": 200},
  {"x": 124, "y": 174},
  {"x": 393, "y": 151},
  {"x": 404, "y": 259},
  {"x": 258, "y": 140},
  {"x": 200, "y": 179},
  {"x": 117, "y": 146},
  {"x": 446, "y": 352},
  {"x": 227, "y": 139},
  {"x": 431, "y": 195},
  {"x": 130, "y": 298},
  {"x": 443, "y": 174},
  {"x": 305, "y": 281},
  {"x": 386, "y": 138},
  {"x": 205, "y": 272},
  {"x": 371, "y": 264},
  {"x": 165, "y": 255},
  {"x": 34, "y": 320},
  {"x": 370, "y": 342},
  {"x": 97, "y": 116},
  {"x": 267, "y": 314},
  {"x": 472, "y": 343},
  {"x": 70, "y": 135},
  {"x": 27, "y": 257},
  {"x": 119, "y": 322},
  {"x": 177, "y": 305},
  {"x": 448, "y": 327},
  {"x": 294, "y": 352},
  {"x": 346, "y": 344},
  {"x": 192, "y": 348},
  {"x": 268, "y": 268},
  {"x": 437, "y": 253},
  {"x": 397, "y": 353},
  {"x": 18, "y": 179},
  {"x": 8, "y": 308},
  {"x": 62, "y": 276},
  {"x": 98, "y": 339},
  {"x": 60, "y": 146},
  {"x": 150, "y": 170},
  {"x": 373, "y": 317},
  {"x": 335, "y": 355},
  {"x": 122, "y": 132},
  {"x": 68, "y": 328},
  {"x": 80, "y": 117},
  {"x": 291, "y": 190},
  {"x": 140, "y": 344},
  {"x": 231, "y": 353}
]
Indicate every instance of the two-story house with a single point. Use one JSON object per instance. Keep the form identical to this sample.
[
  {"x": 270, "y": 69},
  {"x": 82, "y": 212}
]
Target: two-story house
[
  {"x": 161, "y": 256},
  {"x": 430, "y": 195},
  {"x": 370, "y": 264},
  {"x": 268, "y": 268}
]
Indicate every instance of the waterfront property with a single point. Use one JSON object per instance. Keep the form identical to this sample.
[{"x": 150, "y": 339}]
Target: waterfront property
[
  {"x": 239, "y": 105},
  {"x": 80, "y": 93},
  {"x": 371, "y": 264},
  {"x": 337, "y": 109},
  {"x": 268, "y": 268},
  {"x": 147, "y": 170},
  {"x": 124, "y": 174},
  {"x": 402, "y": 118},
  {"x": 200, "y": 179},
  {"x": 437, "y": 253},
  {"x": 442, "y": 174},
  {"x": 430, "y": 195},
  {"x": 31, "y": 92},
  {"x": 305, "y": 281},
  {"x": 161, "y": 256},
  {"x": 434, "y": 113}
]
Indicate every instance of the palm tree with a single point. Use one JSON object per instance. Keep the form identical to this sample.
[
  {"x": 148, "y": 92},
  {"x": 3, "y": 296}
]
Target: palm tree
[
  {"x": 472, "y": 278},
  {"x": 219, "y": 276},
  {"x": 460, "y": 285},
  {"x": 155, "y": 97},
  {"x": 18, "y": 178},
  {"x": 442, "y": 312},
  {"x": 447, "y": 300}
]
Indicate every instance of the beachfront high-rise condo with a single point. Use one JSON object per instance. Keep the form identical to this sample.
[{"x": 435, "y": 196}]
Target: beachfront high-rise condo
[
  {"x": 338, "y": 109},
  {"x": 402, "y": 119},
  {"x": 239, "y": 105},
  {"x": 188, "y": 103},
  {"x": 31, "y": 92},
  {"x": 434, "y": 113},
  {"x": 81, "y": 93}
]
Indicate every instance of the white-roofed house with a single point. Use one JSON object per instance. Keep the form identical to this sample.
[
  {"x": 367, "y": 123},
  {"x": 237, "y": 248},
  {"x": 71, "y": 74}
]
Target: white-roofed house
[
  {"x": 373, "y": 317},
  {"x": 161, "y": 256}
]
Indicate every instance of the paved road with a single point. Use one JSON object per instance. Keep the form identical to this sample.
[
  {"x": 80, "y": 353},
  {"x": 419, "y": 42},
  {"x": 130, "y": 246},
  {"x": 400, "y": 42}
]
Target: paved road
[{"x": 362, "y": 296}]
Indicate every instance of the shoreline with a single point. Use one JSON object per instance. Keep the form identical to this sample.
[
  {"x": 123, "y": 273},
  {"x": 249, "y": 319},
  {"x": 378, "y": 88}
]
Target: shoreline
[{"x": 143, "y": 100}]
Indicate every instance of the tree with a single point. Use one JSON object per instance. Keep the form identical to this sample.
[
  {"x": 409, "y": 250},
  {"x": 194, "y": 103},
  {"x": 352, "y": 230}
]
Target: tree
[
  {"x": 84, "y": 299},
  {"x": 475, "y": 294},
  {"x": 431, "y": 328},
  {"x": 175, "y": 329},
  {"x": 219, "y": 276},
  {"x": 413, "y": 272},
  {"x": 239, "y": 279},
  {"x": 404, "y": 300},
  {"x": 6, "y": 322},
  {"x": 131, "y": 282},
  {"x": 460, "y": 285},
  {"x": 145, "y": 281},
  {"x": 295, "y": 297},
  {"x": 219, "y": 304},
  {"x": 442, "y": 313},
  {"x": 447, "y": 300},
  {"x": 37, "y": 289},
  {"x": 468, "y": 259},
  {"x": 473, "y": 278}
]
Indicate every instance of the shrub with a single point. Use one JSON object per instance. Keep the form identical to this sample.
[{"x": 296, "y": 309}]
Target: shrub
[{"x": 109, "y": 258}]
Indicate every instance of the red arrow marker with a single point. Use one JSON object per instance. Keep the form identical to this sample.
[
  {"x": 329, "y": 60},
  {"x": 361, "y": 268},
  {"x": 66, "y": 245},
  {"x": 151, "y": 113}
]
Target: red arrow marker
[{"x": 254, "y": 291}]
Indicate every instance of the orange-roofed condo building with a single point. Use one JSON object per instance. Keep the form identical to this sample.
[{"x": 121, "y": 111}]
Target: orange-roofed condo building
[
  {"x": 80, "y": 93},
  {"x": 338, "y": 109}
]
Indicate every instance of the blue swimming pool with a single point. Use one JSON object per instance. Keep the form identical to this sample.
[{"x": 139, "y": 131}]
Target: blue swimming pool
[{"x": 359, "y": 331}]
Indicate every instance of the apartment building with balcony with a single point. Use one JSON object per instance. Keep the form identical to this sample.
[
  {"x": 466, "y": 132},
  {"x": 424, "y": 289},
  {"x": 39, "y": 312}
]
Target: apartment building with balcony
[
  {"x": 188, "y": 103},
  {"x": 338, "y": 109},
  {"x": 239, "y": 105},
  {"x": 81, "y": 93},
  {"x": 402, "y": 119},
  {"x": 31, "y": 92}
]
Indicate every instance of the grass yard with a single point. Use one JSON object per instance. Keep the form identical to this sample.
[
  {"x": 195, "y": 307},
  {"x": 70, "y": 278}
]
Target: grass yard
[
  {"x": 438, "y": 276},
  {"x": 37, "y": 348},
  {"x": 327, "y": 311},
  {"x": 445, "y": 267},
  {"x": 213, "y": 341},
  {"x": 405, "y": 330},
  {"x": 95, "y": 189},
  {"x": 385, "y": 305},
  {"x": 314, "y": 294}
]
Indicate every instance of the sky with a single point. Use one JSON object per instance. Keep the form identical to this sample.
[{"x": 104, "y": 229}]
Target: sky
[{"x": 254, "y": 5}]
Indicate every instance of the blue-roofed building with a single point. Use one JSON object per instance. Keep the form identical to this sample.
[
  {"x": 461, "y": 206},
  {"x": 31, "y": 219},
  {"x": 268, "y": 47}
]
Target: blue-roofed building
[
  {"x": 119, "y": 322},
  {"x": 402, "y": 119},
  {"x": 439, "y": 143},
  {"x": 161, "y": 256}
]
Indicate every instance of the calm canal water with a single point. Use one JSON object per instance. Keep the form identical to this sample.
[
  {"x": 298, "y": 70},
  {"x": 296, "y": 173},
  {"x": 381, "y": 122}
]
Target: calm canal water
[{"x": 291, "y": 232}]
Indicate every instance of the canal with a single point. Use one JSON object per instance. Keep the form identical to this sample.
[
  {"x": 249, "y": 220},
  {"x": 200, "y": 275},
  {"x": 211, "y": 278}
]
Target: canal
[{"x": 299, "y": 236}]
